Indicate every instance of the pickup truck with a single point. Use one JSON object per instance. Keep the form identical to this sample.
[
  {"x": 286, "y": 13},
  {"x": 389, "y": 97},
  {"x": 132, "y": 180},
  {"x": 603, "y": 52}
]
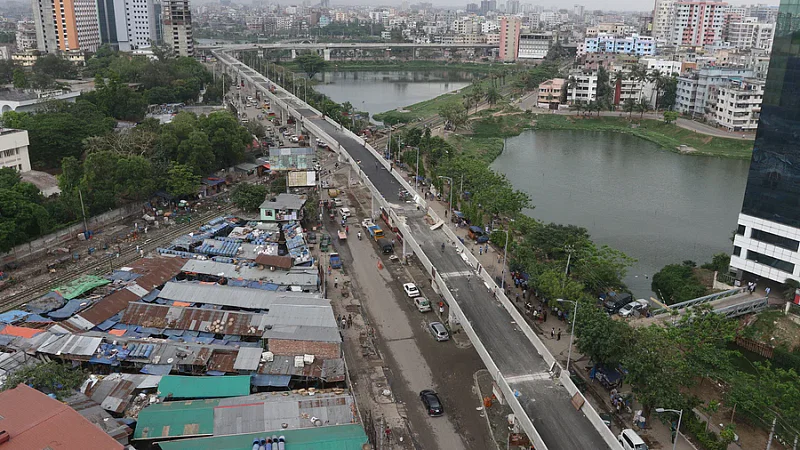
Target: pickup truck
[
  {"x": 366, "y": 223},
  {"x": 376, "y": 232},
  {"x": 335, "y": 261}
]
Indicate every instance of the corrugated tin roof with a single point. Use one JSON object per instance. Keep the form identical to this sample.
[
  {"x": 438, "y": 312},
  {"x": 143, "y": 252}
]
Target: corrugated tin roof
[
  {"x": 108, "y": 306},
  {"x": 114, "y": 391},
  {"x": 223, "y": 361},
  {"x": 69, "y": 344},
  {"x": 341, "y": 437},
  {"x": 176, "y": 386},
  {"x": 283, "y": 262},
  {"x": 195, "y": 319},
  {"x": 248, "y": 358},
  {"x": 292, "y": 202},
  {"x": 34, "y": 420},
  {"x": 240, "y": 297},
  {"x": 92, "y": 412}
]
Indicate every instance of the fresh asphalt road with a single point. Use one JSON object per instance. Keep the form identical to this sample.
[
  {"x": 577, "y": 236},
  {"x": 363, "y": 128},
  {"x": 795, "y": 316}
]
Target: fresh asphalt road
[{"x": 547, "y": 404}]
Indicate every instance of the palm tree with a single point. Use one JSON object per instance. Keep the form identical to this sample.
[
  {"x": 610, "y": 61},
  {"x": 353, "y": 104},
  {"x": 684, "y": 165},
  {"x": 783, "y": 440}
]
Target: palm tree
[
  {"x": 572, "y": 84},
  {"x": 477, "y": 95},
  {"x": 629, "y": 106},
  {"x": 619, "y": 77},
  {"x": 594, "y": 106},
  {"x": 642, "y": 107},
  {"x": 639, "y": 74},
  {"x": 578, "y": 106},
  {"x": 658, "y": 80},
  {"x": 492, "y": 95}
]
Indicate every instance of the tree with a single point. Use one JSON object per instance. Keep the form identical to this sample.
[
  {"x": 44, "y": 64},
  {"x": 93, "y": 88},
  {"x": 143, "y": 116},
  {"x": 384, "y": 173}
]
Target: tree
[
  {"x": 455, "y": 113},
  {"x": 578, "y": 106},
  {"x": 311, "y": 63},
  {"x": 629, "y": 106},
  {"x": 790, "y": 287},
  {"x": 22, "y": 217},
  {"x": 642, "y": 107},
  {"x": 604, "y": 92},
  {"x": 769, "y": 393},
  {"x": 658, "y": 80},
  {"x": 19, "y": 79},
  {"x": 676, "y": 283},
  {"x": 492, "y": 95},
  {"x": 249, "y": 197},
  {"x": 182, "y": 182},
  {"x": 54, "y": 66},
  {"x": 670, "y": 116},
  {"x": 116, "y": 99},
  {"x": 601, "y": 338},
  {"x": 670, "y": 93},
  {"x": 51, "y": 377},
  {"x": 719, "y": 263}
]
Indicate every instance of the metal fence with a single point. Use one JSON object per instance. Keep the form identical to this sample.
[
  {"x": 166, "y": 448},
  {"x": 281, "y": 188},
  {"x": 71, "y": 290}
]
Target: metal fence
[{"x": 699, "y": 300}]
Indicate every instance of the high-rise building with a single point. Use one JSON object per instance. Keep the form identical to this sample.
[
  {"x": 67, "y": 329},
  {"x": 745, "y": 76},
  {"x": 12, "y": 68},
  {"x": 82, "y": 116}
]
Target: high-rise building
[
  {"x": 66, "y": 25},
  {"x": 767, "y": 240},
  {"x": 178, "y": 26},
  {"x": 26, "y": 35},
  {"x": 509, "y": 37},
  {"x": 697, "y": 23},
  {"x": 127, "y": 24},
  {"x": 663, "y": 19}
]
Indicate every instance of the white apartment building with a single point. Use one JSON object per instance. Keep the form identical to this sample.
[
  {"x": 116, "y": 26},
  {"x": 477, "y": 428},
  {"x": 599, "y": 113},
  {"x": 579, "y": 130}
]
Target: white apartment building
[
  {"x": 697, "y": 23},
  {"x": 665, "y": 66},
  {"x": 14, "y": 149},
  {"x": 608, "y": 43},
  {"x": 749, "y": 33},
  {"x": 534, "y": 45},
  {"x": 127, "y": 24},
  {"x": 26, "y": 35},
  {"x": 584, "y": 88},
  {"x": 737, "y": 106},
  {"x": 178, "y": 26},
  {"x": 663, "y": 19},
  {"x": 64, "y": 25},
  {"x": 694, "y": 89},
  {"x": 489, "y": 26}
]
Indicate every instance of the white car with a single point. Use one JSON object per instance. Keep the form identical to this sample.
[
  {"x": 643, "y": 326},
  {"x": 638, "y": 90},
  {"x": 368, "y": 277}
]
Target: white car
[
  {"x": 411, "y": 290},
  {"x": 345, "y": 213},
  {"x": 637, "y": 306},
  {"x": 422, "y": 304}
]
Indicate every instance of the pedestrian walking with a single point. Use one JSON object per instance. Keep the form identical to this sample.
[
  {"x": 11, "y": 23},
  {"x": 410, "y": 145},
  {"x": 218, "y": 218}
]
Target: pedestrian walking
[
  {"x": 544, "y": 315},
  {"x": 524, "y": 293},
  {"x": 552, "y": 333},
  {"x": 516, "y": 298},
  {"x": 559, "y": 334},
  {"x": 349, "y": 320},
  {"x": 480, "y": 251},
  {"x": 336, "y": 282},
  {"x": 347, "y": 229},
  {"x": 767, "y": 290},
  {"x": 338, "y": 319},
  {"x": 344, "y": 323},
  {"x": 754, "y": 288}
]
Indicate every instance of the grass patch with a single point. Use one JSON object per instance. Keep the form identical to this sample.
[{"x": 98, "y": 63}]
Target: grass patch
[
  {"x": 421, "y": 110},
  {"x": 669, "y": 136},
  {"x": 484, "y": 148},
  {"x": 502, "y": 126}
]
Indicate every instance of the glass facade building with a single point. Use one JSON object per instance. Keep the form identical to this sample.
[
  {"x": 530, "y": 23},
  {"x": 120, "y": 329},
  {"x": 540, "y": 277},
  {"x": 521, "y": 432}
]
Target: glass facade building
[{"x": 767, "y": 238}]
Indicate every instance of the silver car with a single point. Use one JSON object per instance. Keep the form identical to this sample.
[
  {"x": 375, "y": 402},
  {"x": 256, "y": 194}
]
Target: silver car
[{"x": 439, "y": 331}]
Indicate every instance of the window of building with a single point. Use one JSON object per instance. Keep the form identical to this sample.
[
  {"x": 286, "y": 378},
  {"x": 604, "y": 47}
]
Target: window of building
[
  {"x": 737, "y": 251},
  {"x": 774, "y": 239},
  {"x": 770, "y": 261}
]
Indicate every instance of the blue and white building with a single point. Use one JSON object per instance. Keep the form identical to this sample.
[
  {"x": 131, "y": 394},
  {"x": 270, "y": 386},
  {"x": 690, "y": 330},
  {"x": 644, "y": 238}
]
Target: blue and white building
[{"x": 629, "y": 45}]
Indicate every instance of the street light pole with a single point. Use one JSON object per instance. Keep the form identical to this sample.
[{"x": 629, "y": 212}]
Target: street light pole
[
  {"x": 572, "y": 334},
  {"x": 678, "y": 429},
  {"x": 451, "y": 190},
  {"x": 503, "y": 272}
]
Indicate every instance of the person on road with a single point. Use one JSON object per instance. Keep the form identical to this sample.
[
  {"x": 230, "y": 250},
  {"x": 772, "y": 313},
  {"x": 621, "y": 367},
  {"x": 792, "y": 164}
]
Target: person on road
[
  {"x": 336, "y": 282},
  {"x": 359, "y": 235},
  {"x": 442, "y": 246}
]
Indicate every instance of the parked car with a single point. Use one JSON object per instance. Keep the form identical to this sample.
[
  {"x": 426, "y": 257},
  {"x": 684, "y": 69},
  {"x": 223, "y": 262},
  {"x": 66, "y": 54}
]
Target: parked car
[
  {"x": 338, "y": 203},
  {"x": 422, "y": 304},
  {"x": 411, "y": 290},
  {"x": 439, "y": 331},
  {"x": 345, "y": 213},
  {"x": 630, "y": 440},
  {"x": 633, "y": 308},
  {"x": 431, "y": 401},
  {"x": 615, "y": 302}
]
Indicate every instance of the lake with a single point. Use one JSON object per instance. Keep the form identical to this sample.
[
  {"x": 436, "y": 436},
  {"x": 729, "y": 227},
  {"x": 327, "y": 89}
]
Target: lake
[
  {"x": 656, "y": 206},
  {"x": 381, "y": 91}
]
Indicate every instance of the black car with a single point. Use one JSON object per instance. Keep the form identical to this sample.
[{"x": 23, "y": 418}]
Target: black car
[
  {"x": 615, "y": 302},
  {"x": 431, "y": 402}
]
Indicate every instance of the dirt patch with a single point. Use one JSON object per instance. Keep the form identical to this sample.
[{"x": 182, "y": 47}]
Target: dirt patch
[{"x": 685, "y": 149}]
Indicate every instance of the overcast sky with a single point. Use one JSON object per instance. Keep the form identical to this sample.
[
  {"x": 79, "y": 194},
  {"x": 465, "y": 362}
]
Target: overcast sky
[{"x": 606, "y": 5}]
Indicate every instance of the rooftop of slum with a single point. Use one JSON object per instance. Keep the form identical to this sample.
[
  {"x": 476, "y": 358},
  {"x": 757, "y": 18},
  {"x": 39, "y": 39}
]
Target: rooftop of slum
[
  {"x": 95, "y": 414},
  {"x": 285, "y": 201},
  {"x": 340, "y": 437},
  {"x": 33, "y": 420},
  {"x": 113, "y": 392},
  {"x": 279, "y": 321},
  {"x": 185, "y": 387},
  {"x": 239, "y": 297},
  {"x": 246, "y": 414},
  {"x": 161, "y": 356},
  {"x": 230, "y": 249},
  {"x": 305, "y": 277}
]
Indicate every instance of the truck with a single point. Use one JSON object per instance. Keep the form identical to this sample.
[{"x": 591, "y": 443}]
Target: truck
[
  {"x": 335, "y": 261},
  {"x": 376, "y": 232}
]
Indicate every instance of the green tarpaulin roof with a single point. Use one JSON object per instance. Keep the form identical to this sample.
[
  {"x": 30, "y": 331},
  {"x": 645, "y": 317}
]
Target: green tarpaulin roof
[
  {"x": 180, "y": 387},
  {"x": 175, "y": 419},
  {"x": 80, "y": 285},
  {"x": 339, "y": 437}
]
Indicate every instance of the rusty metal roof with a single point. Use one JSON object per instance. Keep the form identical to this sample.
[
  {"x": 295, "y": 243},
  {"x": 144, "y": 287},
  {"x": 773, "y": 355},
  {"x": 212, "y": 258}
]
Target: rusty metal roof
[
  {"x": 107, "y": 307},
  {"x": 195, "y": 319},
  {"x": 283, "y": 262},
  {"x": 222, "y": 361}
]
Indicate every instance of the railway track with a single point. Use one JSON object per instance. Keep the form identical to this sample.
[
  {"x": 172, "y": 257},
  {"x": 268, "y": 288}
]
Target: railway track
[{"x": 106, "y": 263}]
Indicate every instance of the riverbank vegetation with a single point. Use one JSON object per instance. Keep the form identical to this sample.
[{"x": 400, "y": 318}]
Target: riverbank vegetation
[{"x": 667, "y": 135}]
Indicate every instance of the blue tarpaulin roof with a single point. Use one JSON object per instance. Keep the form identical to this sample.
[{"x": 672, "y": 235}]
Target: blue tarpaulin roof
[
  {"x": 13, "y": 316},
  {"x": 38, "y": 319},
  {"x": 6, "y": 339},
  {"x": 69, "y": 309},
  {"x": 476, "y": 229},
  {"x": 157, "y": 369},
  {"x": 264, "y": 380}
]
